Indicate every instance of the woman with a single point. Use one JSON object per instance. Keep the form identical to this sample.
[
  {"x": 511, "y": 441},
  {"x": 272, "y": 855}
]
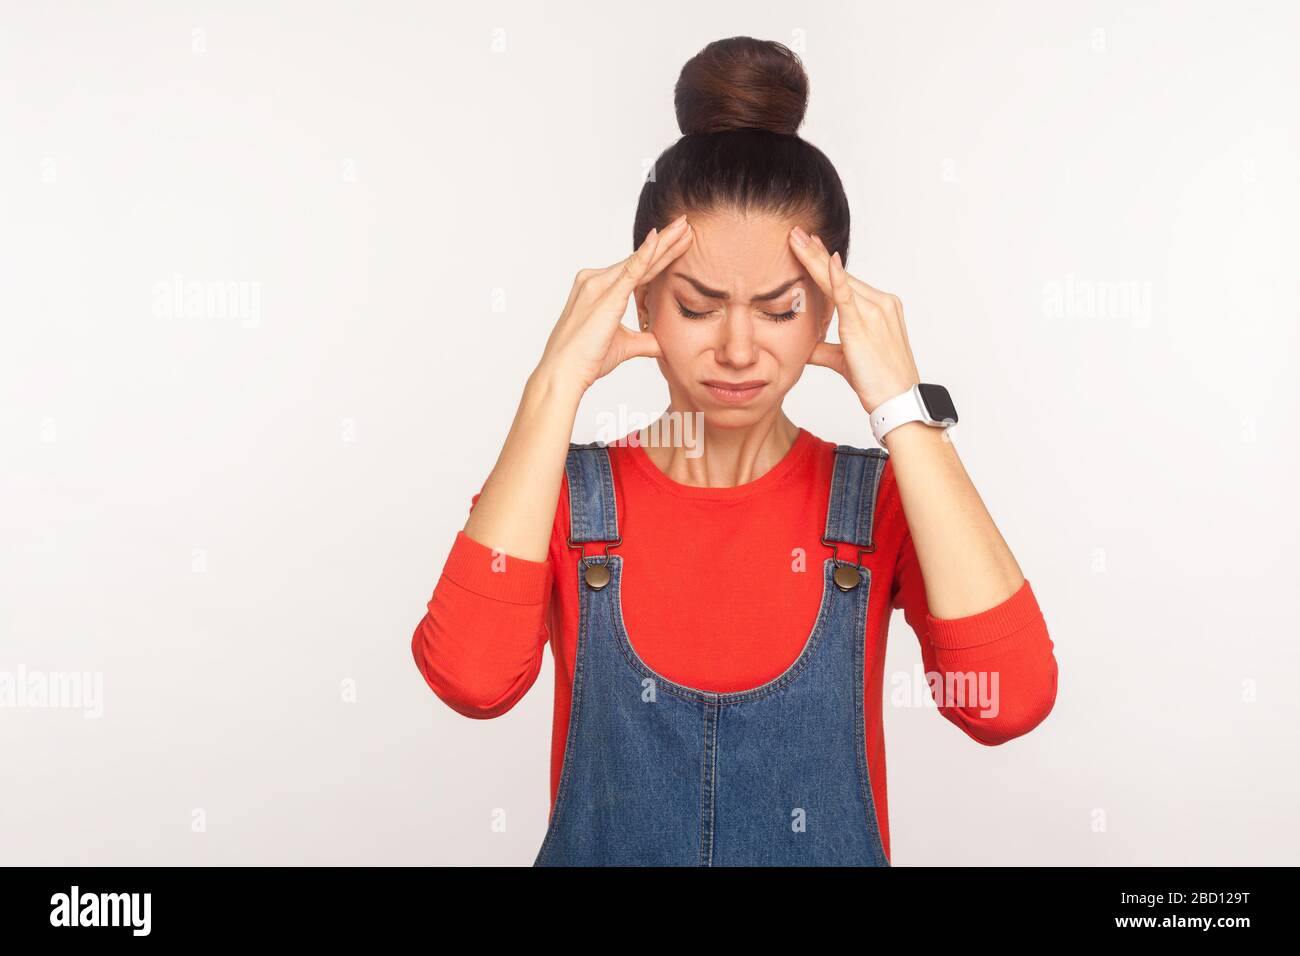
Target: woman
[{"x": 718, "y": 619}]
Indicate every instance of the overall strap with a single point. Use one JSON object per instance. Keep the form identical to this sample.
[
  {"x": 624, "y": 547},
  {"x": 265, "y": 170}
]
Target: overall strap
[
  {"x": 850, "y": 518},
  {"x": 592, "y": 516}
]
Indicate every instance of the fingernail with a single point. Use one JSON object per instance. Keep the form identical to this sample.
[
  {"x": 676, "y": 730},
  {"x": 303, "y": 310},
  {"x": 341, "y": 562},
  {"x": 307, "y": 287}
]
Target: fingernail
[{"x": 800, "y": 237}]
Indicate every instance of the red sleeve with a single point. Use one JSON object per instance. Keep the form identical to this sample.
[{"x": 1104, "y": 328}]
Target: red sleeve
[
  {"x": 482, "y": 638},
  {"x": 1001, "y": 658}
]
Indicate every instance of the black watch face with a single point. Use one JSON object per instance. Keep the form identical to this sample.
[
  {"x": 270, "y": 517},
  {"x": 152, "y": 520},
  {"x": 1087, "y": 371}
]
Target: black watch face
[{"x": 938, "y": 403}]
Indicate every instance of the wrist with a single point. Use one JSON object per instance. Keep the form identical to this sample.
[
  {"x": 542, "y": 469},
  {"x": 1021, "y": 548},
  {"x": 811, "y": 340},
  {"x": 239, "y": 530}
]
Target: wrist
[
  {"x": 547, "y": 382},
  {"x": 928, "y": 405},
  {"x": 878, "y": 396},
  {"x": 914, "y": 435}
]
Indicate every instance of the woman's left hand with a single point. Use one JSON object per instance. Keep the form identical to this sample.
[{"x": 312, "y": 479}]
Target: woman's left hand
[{"x": 872, "y": 354}]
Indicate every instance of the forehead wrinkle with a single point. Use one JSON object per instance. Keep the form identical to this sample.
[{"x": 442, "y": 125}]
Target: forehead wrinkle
[
  {"x": 768, "y": 295},
  {"x": 782, "y": 271}
]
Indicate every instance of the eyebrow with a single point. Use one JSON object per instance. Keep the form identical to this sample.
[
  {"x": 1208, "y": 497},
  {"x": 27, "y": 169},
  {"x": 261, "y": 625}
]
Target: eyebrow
[{"x": 718, "y": 294}]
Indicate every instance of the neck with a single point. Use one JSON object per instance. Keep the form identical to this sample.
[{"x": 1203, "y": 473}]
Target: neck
[{"x": 731, "y": 456}]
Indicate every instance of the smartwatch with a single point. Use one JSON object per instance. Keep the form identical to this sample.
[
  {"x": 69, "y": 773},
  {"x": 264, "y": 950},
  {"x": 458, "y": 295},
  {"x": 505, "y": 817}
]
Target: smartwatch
[{"x": 921, "y": 403}]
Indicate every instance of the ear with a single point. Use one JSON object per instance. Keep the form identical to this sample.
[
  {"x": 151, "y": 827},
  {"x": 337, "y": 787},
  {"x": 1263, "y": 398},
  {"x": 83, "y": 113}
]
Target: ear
[
  {"x": 824, "y": 320},
  {"x": 641, "y": 296}
]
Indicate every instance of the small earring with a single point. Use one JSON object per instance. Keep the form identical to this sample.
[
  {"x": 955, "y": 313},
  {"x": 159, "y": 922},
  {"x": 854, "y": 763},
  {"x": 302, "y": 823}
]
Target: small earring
[{"x": 645, "y": 326}]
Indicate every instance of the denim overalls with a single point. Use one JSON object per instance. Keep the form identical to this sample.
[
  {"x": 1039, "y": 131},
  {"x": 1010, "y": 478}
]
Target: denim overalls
[{"x": 658, "y": 774}]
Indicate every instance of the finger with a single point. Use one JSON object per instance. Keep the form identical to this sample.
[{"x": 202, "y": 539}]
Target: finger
[
  {"x": 576, "y": 288},
  {"x": 640, "y": 345},
  {"x": 667, "y": 235},
  {"x": 670, "y": 234},
  {"x": 606, "y": 277},
  {"x": 615, "y": 298},
  {"x": 867, "y": 291},
  {"x": 665, "y": 257},
  {"x": 828, "y": 355},
  {"x": 814, "y": 258},
  {"x": 846, "y": 300},
  {"x": 889, "y": 305},
  {"x": 594, "y": 283}
]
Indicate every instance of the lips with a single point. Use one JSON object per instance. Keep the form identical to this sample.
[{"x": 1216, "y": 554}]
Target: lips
[
  {"x": 734, "y": 392},
  {"x": 750, "y": 383}
]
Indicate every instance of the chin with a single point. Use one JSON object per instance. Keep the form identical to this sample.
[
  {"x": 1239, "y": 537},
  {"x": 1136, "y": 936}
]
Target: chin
[{"x": 727, "y": 417}]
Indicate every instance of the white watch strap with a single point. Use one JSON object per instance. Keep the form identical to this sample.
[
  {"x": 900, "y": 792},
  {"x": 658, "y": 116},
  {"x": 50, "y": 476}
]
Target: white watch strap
[{"x": 896, "y": 411}]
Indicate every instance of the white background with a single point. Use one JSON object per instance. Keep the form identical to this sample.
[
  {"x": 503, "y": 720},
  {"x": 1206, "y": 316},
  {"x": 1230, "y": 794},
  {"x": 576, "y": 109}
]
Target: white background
[{"x": 230, "y": 519}]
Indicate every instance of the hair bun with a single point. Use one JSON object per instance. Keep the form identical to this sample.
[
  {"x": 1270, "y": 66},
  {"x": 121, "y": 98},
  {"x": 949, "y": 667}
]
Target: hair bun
[{"x": 742, "y": 83}]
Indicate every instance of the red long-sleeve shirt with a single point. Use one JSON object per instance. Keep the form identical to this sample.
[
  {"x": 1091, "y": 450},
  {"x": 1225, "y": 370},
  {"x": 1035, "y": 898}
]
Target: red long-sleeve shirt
[{"x": 480, "y": 643}]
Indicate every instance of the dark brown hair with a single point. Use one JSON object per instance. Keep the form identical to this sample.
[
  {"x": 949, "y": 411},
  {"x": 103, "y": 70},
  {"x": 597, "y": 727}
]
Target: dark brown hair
[{"x": 740, "y": 102}]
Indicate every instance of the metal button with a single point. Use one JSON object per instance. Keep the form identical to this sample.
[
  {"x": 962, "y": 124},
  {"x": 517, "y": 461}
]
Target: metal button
[
  {"x": 596, "y": 576},
  {"x": 847, "y": 577}
]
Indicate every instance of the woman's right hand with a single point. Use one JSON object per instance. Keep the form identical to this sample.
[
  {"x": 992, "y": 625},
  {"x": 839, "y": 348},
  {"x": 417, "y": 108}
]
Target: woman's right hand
[{"x": 590, "y": 340}]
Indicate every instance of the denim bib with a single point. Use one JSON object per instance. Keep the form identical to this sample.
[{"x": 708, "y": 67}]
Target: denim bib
[{"x": 659, "y": 774}]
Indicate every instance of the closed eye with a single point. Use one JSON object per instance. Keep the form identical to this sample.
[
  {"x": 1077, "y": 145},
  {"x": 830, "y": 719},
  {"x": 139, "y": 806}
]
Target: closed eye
[{"x": 774, "y": 316}]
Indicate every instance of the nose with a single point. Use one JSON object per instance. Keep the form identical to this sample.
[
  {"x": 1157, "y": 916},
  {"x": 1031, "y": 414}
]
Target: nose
[{"x": 736, "y": 344}]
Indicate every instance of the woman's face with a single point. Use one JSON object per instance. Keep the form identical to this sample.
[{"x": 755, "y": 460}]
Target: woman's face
[{"x": 752, "y": 318}]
